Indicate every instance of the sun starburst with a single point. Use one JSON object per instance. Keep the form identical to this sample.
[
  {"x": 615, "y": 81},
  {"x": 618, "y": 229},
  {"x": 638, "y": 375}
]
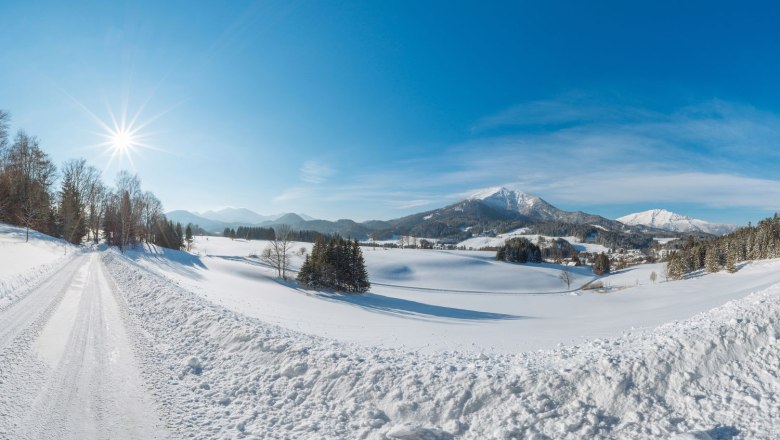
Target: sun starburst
[{"x": 123, "y": 137}]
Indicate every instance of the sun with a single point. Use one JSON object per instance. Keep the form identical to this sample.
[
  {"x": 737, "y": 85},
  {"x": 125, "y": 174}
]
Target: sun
[
  {"x": 121, "y": 140},
  {"x": 123, "y": 137}
]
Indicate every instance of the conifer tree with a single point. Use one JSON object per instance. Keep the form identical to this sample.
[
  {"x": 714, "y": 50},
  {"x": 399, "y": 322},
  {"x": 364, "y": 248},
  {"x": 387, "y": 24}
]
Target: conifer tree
[
  {"x": 711, "y": 260},
  {"x": 188, "y": 236},
  {"x": 73, "y": 226},
  {"x": 675, "y": 267},
  {"x": 601, "y": 264},
  {"x": 731, "y": 262}
]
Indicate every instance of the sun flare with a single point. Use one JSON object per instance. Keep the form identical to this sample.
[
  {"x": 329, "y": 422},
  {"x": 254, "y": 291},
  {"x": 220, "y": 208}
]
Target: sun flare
[
  {"x": 121, "y": 140},
  {"x": 123, "y": 136}
]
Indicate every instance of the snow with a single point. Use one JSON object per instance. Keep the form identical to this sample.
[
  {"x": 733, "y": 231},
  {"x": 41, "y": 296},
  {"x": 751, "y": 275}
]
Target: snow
[
  {"x": 670, "y": 221},
  {"x": 505, "y": 198},
  {"x": 170, "y": 344},
  {"x": 711, "y": 375},
  {"x": 430, "y": 300},
  {"x": 22, "y": 263},
  {"x": 67, "y": 367}
]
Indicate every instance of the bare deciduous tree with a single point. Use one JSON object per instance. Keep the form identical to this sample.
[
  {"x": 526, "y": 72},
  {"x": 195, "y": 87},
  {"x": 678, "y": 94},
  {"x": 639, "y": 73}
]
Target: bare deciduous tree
[
  {"x": 129, "y": 191},
  {"x": 277, "y": 253},
  {"x": 653, "y": 276},
  {"x": 32, "y": 175},
  {"x": 566, "y": 276}
]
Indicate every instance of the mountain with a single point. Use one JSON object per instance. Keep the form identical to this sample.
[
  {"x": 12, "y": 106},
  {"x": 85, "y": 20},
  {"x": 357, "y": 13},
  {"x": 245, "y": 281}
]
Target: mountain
[
  {"x": 287, "y": 219},
  {"x": 489, "y": 211},
  {"x": 245, "y": 216},
  {"x": 536, "y": 209},
  {"x": 670, "y": 221},
  {"x": 498, "y": 209},
  {"x": 186, "y": 217},
  {"x": 237, "y": 215},
  {"x": 217, "y": 221},
  {"x": 526, "y": 204}
]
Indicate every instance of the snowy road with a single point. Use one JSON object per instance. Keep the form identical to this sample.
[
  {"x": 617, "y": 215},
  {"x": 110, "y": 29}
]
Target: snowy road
[{"x": 67, "y": 368}]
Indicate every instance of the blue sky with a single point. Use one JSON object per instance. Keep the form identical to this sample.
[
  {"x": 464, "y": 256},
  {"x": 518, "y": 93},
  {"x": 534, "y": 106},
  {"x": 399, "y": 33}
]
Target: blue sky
[{"x": 379, "y": 109}]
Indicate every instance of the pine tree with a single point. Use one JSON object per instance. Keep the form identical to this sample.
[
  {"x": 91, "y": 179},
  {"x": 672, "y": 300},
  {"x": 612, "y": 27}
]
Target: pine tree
[
  {"x": 675, "y": 267},
  {"x": 601, "y": 264},
  {"x": 188, "y": 236},
  {"x": 179, "y": 238},
  {"x": 360, "y": 274},
  {"x": 711, "y": 260},
  {"x": 71, "y": 213},
  {"x": 731, "y": 262}
]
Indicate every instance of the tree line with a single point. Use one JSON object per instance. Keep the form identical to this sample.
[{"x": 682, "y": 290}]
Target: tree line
[
  {"x": 75, "y": 203},
  {"x": 260, "y": 233},
  {"x": 749, "y": 243}
]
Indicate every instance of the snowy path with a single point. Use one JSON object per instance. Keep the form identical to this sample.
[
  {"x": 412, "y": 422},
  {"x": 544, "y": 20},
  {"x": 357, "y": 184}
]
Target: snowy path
[{"x": 67, "y": 369}]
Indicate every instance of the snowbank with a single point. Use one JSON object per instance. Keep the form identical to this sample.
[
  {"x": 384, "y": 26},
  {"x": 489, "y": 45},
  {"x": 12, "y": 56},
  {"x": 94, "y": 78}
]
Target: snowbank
[
  {"x": 24, "y": 264},
  {"x": 219, "y": 374}
]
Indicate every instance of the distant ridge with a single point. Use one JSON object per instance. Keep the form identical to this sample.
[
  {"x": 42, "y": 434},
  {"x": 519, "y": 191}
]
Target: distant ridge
[
  {"x": 217, "y": 221},
  {"x": 484, "y": 212}
]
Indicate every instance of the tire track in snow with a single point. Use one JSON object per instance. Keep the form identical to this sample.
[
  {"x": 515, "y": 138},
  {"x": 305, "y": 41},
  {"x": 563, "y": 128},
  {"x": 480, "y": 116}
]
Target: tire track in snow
[
  {"x": 84, "y": 384},
  {"x": 37, "y": 305},
  {"x": 19, "y": 326}
]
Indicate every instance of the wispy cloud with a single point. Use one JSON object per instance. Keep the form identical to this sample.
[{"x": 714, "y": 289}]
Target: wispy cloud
[
  {"x": 582, "y": 154},
  {"x": 293, "y": 193},
  {"x": 715, "y": 154},
  {"x": 315, "y": 172},
  {"x": 406, "y": 204}
]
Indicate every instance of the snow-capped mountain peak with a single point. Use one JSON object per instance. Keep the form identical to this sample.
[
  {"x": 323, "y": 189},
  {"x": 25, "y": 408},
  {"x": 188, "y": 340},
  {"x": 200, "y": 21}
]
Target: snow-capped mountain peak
[
  {"x": 505, "y": 198},
  {"x": 671, "y": 221}
]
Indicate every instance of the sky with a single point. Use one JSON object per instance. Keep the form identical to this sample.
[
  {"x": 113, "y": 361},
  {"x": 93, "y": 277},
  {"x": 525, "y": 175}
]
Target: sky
[{"x": 375, "y": 110}]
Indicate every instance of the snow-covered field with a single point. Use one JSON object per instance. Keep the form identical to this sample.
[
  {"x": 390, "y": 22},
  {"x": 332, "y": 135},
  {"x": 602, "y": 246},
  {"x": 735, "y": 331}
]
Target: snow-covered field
[
  {"x": 170, "y": 344},
  {"x": 228, "y": 375},
  {"x": 429, "y": 300}
]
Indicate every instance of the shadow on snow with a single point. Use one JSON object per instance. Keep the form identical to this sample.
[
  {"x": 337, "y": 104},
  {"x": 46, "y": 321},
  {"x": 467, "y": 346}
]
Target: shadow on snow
[{"x": 413, "y": 309}]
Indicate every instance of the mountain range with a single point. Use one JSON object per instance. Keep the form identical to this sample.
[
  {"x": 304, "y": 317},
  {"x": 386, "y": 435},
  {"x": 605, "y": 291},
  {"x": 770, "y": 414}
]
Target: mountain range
[
  {"x": 492, "y": 210},
  {"x": 670, "y": 221},
  {"x": 217, "y": 221}
]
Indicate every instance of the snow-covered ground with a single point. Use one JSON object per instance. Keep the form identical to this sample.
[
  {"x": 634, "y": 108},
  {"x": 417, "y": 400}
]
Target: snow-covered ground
[
  {"x": 222, "y": 374},
  {"x": 22, "y": 263},
  {"x": 168, "y": 344},
  {"x": 67, "y": 366},
  {"x": 428, "y": 300}
]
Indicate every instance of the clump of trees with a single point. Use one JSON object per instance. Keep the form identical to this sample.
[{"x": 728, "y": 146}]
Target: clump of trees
[
  {"x": 750, "y": 243},
  {"x": 558, "y": 249},
  {"x": 601, "y": 264},
  {"x": 519, "y": 250},
  {"x": 81, "y": 206},
  {"x": 590, "y": 233},
  {"x": 337, "y": 264}
]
